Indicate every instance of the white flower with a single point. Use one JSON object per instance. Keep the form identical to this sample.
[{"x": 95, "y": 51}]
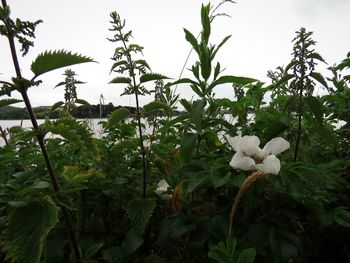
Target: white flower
[
  {"x": 249, "y": 156},
  {"x": 162, "y": 187}
]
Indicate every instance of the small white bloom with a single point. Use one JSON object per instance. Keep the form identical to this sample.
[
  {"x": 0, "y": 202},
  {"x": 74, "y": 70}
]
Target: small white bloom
[
  {"x": 162, "y": 187},
  {"x": 249, "y": 156}
]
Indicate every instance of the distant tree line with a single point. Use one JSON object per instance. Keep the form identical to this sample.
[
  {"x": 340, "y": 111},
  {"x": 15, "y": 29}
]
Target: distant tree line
[{"x": 83, "y": 111}]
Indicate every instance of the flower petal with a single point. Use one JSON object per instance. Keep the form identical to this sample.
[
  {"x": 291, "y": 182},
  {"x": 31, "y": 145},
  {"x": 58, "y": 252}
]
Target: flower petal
[
  {"x": 162, "y": 187},
  {"x": 234, "y": 142},
  {"x": 242, "y": 162},
  {"x": 270, "y": 165},
  {"x": 275, "y": 146},
  {"x": 249, "y": 145}
]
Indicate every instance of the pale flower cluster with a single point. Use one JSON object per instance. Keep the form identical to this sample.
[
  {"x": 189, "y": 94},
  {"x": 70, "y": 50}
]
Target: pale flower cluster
[{"x": 249, "y": 156}]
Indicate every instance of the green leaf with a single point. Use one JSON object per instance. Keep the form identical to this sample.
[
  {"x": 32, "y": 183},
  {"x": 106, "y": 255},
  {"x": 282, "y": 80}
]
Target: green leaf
[
  {"x": 184, "y": 81},
  {"x": 247, "y": 256},
  {"x": 192, "y": 40},
  {"x": 151, "y": 77},
  {"x": 316, "y": 56},
  {"x": 205, "y": 23},
  {"x": 187, "y": 146},
  {"x": 186, "y": 104},
  {"x": 195, "y": 180},
  {"x": 92, "y": 251},
  {"x": 4, "y": 12},
  {"x": 219, "y": 174},
  {"x": 139, "y": 212},
  {"x": 6, "y": 102},
  {"x": 143, "y": 62},
  {"x": 120, "y": 80},
  {"x": 62, "y": 83},
  {"x": 83, "y": 102},
  {"x": 233, "y": 80},
  {"x": 205, "y": 61},
  {"x": 216, "y": 70},
  {"x": 27, "y": 229},
  {"x": 156, "y": 105},
  {"x": 197, "y": 113},
  {"x": 318, "y": 77},
  {"x": 316, "y": 107},
  {"x": 51, "y": 60},
  {"x": 119, "y": 63},
  {"x": 172, "y": 122},
  {"x": 117, "y": 116},
  {"x": 56, "y": 106},
  {"x": 224, "y": 253},
  {"x": 284, "y": 79},
  {"x": 131, "y": 242},
  {"x": 342, "y": 216},
  {"x": 219, "y": 46}
]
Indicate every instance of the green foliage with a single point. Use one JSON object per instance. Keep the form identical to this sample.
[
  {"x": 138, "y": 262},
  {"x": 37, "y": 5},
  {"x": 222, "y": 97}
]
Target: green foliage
[
  {"x": 6, "y": 102},
  {"x": 300, "y": 215},
  {"x": 139, "y": 212},
  {"x": 27, "y": 229},
  {"x": 51, "y": 60},
  {"x": 226, "y": 253}
]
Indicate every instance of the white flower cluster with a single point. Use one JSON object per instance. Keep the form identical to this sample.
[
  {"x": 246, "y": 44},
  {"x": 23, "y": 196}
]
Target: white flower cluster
[{"x": 249, "y": 156}]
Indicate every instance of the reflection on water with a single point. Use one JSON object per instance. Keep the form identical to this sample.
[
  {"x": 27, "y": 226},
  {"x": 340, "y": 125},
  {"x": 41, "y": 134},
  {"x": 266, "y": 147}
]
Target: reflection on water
[{"x": 93, "y": 124}]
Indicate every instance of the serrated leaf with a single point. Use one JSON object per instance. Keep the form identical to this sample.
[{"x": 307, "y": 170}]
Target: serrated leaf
[
  {"x": 27, "y": 229},
  {"x": 156, "y": 105},
  {"x": 117, "y": 64},
  {"x": 316, "y": 56},
  {"x": 117, "y": 116},
  {"x": 120, "y": 80},
  {"x": 139, "y": 212},
  {"x": 56, "y": 106},
  {"x": 184, "y": 81},
  {"x": 316, "y": 107},
  {"x": 83, "y": 102},
  {"x": 318, "y": 77},
  {"x": 143, "y": 62},
  {"x": 51, "y": 60},
  {"x": 233, "y": 80},
  {"x": 6, "y": 102},
  {"x": 151, "y": 77},
  {"x": 62, "y": 83}
]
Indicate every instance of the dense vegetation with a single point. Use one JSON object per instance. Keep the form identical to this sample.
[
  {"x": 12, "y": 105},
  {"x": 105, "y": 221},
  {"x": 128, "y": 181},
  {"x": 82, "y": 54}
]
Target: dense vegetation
[
  {"x": 79, "y": 112},
  {"x": 197, "y": 187}
]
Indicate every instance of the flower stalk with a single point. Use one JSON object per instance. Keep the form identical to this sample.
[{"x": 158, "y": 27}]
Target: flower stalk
[{"x": 246, "y": 184}]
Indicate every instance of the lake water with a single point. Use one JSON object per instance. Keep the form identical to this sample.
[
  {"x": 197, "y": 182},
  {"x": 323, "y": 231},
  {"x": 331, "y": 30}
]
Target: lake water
[{"x": 93, "y": 124}]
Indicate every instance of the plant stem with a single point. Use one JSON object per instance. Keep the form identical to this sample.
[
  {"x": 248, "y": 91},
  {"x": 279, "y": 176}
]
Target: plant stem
[
  {"x": 40, "y": 138},
  {"x": 246, "y": 184},
  {"x": 138, "y": 117},
  {"x": 301, "y": 88},
  {"x": 3, "y": 135}
]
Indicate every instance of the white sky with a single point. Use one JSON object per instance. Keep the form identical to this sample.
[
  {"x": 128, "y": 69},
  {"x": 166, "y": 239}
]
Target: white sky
[{"x": 261, "y": 39}]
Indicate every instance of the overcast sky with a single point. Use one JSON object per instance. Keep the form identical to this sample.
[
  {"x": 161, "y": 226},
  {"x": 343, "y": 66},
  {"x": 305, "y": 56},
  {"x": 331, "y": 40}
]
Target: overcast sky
[{"x": 261, "y": 39}]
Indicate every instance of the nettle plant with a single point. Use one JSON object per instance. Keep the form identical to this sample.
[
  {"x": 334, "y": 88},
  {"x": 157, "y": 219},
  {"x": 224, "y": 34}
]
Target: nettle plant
[
  {"x": 198, "y": 188},
  {"x": 21, "y": 223}
]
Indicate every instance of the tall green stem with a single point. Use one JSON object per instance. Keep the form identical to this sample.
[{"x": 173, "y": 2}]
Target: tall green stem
[
  {"x": 40, "y": 138},
  {"x": 138, "y": 117},
  {"x": 301, "y": 89}
]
